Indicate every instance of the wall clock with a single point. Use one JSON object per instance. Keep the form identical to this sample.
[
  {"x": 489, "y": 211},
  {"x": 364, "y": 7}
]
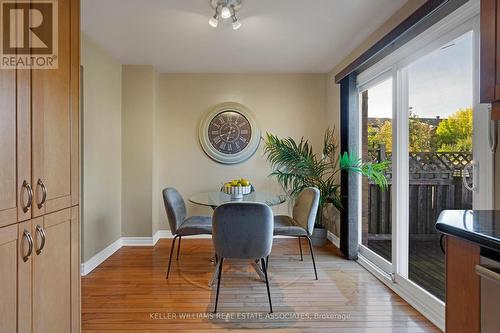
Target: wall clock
[{"x": 228, "y": 133}]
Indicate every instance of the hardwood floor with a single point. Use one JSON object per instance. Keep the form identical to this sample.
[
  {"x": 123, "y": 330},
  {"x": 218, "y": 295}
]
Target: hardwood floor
[{"x": 129, "y": 292}]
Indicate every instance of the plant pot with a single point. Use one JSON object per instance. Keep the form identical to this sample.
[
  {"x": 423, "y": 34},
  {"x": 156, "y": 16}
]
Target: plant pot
[{"x": 318, "y": 237}]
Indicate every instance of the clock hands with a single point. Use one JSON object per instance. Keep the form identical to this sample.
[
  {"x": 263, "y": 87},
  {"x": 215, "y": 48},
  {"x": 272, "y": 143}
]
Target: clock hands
[{"x": 229, "y": 133}]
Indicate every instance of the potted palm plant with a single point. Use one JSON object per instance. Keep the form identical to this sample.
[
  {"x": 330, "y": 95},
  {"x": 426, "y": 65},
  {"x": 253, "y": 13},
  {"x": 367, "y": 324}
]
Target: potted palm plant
[{"x": 296, "y": 166}]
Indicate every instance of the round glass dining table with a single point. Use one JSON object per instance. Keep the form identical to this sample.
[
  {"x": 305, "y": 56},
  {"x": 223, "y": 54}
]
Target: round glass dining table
[{"x": 217, "y": 198}]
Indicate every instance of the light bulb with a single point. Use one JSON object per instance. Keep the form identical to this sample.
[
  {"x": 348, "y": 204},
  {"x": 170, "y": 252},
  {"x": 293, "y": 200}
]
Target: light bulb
[
  {"x": 225, "y": 13},
  {"x": 213, "y": 22},
  {"x": 236, "y": 25}
]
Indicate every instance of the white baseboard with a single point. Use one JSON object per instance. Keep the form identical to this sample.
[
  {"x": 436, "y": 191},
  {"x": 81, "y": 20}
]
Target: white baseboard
[
  {"x": 161, "y": 234},
  {"x": 92, "y": 263},
  {"x": 334, "y": 239},
  {"x": 96, "y": 260},
  {"x": 137, "y": 241}
]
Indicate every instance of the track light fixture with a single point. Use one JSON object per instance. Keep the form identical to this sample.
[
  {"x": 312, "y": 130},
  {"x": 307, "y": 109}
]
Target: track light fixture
[{"x": 225, "y": 9}]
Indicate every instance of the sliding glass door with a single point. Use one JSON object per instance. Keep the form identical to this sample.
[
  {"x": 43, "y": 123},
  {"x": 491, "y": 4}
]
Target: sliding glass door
[
  {"x": 376, "y": 145},
  {"x": 440, "y": 124},
  {"x": 419, "y": 109}
]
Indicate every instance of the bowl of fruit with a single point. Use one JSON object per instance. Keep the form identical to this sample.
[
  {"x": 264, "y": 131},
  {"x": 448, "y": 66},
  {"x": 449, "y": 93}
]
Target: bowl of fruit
[{"x": 237, "y": 188}]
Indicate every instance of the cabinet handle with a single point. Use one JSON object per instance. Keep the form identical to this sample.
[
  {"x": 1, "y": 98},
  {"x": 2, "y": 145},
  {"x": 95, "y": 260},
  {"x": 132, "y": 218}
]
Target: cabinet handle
[
  {"x": 44, "y": 192},
  {"x": 441, "y": 243},
  {"x": 488, "y": 273},
  {"x": 27, "y": 235},
  {"x": 41, "y": 231},
  {"x": 29, "y": 190}
]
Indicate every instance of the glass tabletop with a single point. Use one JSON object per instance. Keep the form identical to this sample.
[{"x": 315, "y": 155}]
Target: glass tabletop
[{"x": 216, "y": 198}]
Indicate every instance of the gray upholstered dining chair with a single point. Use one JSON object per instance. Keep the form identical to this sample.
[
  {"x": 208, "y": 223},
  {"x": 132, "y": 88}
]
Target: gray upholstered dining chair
[
  {"x": 242, "y": 230},
  {"x": 301, "y": 224},
  {"x": 180, "y": 224}
]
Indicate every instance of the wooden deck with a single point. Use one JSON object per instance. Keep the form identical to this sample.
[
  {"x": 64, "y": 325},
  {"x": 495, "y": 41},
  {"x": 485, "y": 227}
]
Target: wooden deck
[
  {"x": 426, "y": 267},
  {"x": 129, "y": 292}
]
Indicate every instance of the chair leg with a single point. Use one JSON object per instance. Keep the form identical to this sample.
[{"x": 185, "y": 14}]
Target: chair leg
[
  {"x": 267, "y": 262},
  {"x": 178, "y": 247},
  {"x": 218, "y": 284},
  {"x": 300, "y": 247},
  {"x": 312, "y": 255},
  {"x": 267, "y": 285},
  {"x": 171, "y": 252}
]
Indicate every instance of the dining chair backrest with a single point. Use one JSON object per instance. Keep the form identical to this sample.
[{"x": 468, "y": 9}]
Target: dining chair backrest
[
  {"x": 175, "y": 207},
  {"x": 242, "y": 230},
  {"x": 306, "y": 208}
]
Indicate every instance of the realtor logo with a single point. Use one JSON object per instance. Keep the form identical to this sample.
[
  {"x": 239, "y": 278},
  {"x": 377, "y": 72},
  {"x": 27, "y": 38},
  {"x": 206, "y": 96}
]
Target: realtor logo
[{"x": 28, "y": 34}]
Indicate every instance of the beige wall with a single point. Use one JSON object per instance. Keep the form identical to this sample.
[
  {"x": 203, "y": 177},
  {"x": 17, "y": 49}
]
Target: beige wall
[
  {"x": 101, "y": 136},
  {"x": 138, "y": 107},
  {"x": 283, "y": 104}
]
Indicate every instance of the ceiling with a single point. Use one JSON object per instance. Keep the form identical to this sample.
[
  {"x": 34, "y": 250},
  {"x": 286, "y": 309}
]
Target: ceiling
[{"x": 289, "y": 36}]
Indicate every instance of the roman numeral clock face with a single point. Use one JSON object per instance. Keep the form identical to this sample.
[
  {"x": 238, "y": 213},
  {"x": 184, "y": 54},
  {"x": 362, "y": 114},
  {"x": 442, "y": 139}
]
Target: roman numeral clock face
[{"x": 229, "y": 132}]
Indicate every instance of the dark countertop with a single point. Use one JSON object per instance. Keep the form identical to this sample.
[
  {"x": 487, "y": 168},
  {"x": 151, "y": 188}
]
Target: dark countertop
[{"x": 478, "y": 226}]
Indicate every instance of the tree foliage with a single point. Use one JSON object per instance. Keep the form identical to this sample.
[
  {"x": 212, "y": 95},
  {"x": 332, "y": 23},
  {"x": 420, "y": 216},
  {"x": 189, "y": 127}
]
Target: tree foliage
[{"x": 453, "y": 134}]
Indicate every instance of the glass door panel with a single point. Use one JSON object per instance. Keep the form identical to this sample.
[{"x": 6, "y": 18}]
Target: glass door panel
[
  {"x": 440, "y": 114},
  {"x": 376, "y": 138}
]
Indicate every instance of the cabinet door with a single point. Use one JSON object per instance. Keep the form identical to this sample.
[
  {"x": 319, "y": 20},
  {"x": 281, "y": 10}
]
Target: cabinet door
[
  {"x": 15, "y": 143},
  {"x": 52, "y": 273},
  {"x": 490, "y": 56},
  {"x": 8, "y": 274},
  {"x": 51, "y": 124},
  {"x": 463, "y": 291},
  {"x": 75, "y": 102},
  {"x": 15, "y": 140},
  {"x": 75, "y": 270},
  {"x": 8, "y": 201},
  {"x": 24, "y": 269}
]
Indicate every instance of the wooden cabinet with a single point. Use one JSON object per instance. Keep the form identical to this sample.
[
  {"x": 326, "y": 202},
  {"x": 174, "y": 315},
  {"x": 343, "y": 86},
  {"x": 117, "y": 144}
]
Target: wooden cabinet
[
  {"x": 39, "y": 124},
  {"x": 25, "y": 276},
  {"x": 463, "y": 293},
  {"x": 8, "y": 197},
  {"x": 53, "y": 114},
  {"x": 490, "y": 55},
  {"x": 15, "y": 159},
  {"x": 8, "y": 287},
  {"x": 39, "y": 187},
  {"x": 39, "y": 265},
  {"x": 52, "y": 272}
]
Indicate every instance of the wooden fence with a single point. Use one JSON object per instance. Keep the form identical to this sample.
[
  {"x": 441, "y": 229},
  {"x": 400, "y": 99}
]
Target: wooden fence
[{"x": 435, "y": 184}]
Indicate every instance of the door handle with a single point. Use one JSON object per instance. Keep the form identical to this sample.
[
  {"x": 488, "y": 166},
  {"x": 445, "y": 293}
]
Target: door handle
[
  {"x": 41, "y": 231},
  {"x": 472, "y": 169},
  {"x": 44, "y": 193},
  {"x": 492, "y": 131},
  {"x": 29, "y": 190},
  {"x": 27, "y": 236}
]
